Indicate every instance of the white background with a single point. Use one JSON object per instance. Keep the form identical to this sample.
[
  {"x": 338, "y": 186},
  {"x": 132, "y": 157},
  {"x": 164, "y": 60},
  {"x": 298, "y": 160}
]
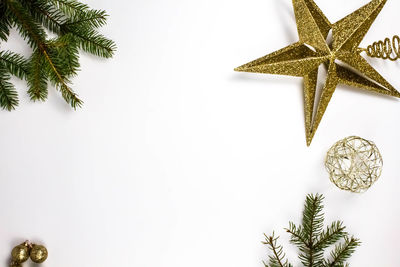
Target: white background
[{"x": 176, "y": 160}]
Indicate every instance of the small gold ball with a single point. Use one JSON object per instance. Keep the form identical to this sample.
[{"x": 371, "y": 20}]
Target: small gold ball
[
  {"x": 20, "y": 253},
  {"x": 38, "y": 253},
  {"x": 15, "y": 264}
]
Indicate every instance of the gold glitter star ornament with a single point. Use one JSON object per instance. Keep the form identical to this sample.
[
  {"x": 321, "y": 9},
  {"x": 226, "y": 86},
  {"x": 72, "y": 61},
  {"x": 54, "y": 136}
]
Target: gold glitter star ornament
[{"x": 303, "y": 58}]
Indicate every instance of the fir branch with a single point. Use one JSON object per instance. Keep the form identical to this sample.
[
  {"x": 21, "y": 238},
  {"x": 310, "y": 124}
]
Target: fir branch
[
  {"x": 46, "y": 14},
  {"x": 55, "y": 73},
  {"x": 312, "y": 240},
  {"x": 313, "y": 218},
  {"x": 29, "y": 29},
  {"x": 5, "y": 22},
  {"x": 69, "y": 7},
  {"x": 14, "y": 63},
  {"x": 69, "y": 95},
  {"x": 8, "y": 94},
  {"x": 61, "y": 82},
  {"x": 277, "y": 259},
  {"x": 89, "y": 19},
  {"x": 94, "y": 43},
  {"x": 343, "y": 252},
  {"x": 55, "y": 60},
  {"x": 331, "y": 235},
  {"x": 37, "y": 78},
  {"x": 65, "y": 48},
  {"x": 297, "y": 238}
]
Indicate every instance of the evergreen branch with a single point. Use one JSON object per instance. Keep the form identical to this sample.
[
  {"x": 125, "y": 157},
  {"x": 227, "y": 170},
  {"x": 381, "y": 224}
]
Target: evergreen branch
[
  {"x": 89, "y": 19},
  {"x": 60, "y": 81},
  {"x": 54, "y": 60},
  {"x": 57, "y": 78},
  {"x": 29, "y": 29},
  {"x": 8, "y": 94},
  {"x": 69, "y": 7},
  {"x": 313, "y": 218},
  {"x": 297, "y": 237},
  {"x": 37, "y": 78},
  {"x": 65, "y": 50},
  {"x": 278, "y": 257},
  {"x": 45, "y": 13},
  {"x": 331, "y": 235},
  {"x": 69, "y": 96},
  {"x": 312, "y": 224},
  {"x": 15, "y": 64},
  {"x": 343, "y": 252},
  {"x": 5, "y": 26},
  {"x": 312, "y": 249},
  {"x": 94, "y": 43},
  {"x": 5, "y": 23}
]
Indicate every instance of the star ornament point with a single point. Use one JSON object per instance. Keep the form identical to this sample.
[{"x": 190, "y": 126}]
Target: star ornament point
[{"x": 303, "y": 58}]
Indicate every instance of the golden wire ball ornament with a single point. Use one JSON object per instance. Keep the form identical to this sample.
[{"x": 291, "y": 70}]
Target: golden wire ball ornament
[
  {"x": 354, "y": 164},
  {"x": 26, "y": 250}
]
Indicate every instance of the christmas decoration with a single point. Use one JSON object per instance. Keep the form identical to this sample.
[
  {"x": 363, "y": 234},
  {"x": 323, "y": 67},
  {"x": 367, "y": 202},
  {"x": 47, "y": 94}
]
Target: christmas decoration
[
  {"x": 312, "y": 240},
  {"x": 22, "y": 252},
  {"x": 354, "y": 164},
  {"x": 387, "y": 49},
  {"x": 303, "y": 58},
  {"x": 38, "y": 253},
  {"x": 53, "y": 59}
]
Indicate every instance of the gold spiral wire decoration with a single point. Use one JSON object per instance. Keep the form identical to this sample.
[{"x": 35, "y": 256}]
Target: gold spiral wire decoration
[{"x": 386, "y": 49}]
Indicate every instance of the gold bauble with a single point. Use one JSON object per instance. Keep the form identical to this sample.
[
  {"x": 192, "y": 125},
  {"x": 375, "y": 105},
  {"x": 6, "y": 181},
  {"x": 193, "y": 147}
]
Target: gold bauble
[
  {"x": 15, "y": 264},
  {"x": 38, "y": 253},
  {"x": 20, "y": 253}
]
